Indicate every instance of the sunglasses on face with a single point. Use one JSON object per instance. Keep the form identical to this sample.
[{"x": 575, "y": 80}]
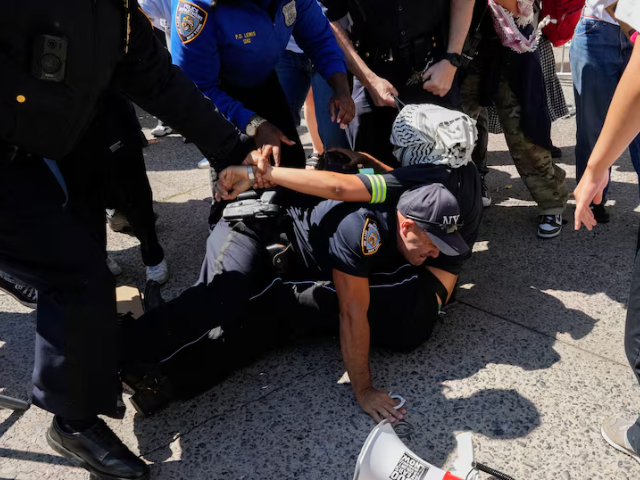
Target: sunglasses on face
[{"x": 433, "y": 226}]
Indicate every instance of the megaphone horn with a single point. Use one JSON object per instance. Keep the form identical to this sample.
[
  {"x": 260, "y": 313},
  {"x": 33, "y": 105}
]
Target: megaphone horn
[{"x": 385, "y": 457}]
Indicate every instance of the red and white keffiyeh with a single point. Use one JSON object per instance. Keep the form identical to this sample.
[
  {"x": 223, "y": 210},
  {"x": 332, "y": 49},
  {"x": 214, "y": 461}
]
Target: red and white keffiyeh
[{"x": 507, "y": 26}]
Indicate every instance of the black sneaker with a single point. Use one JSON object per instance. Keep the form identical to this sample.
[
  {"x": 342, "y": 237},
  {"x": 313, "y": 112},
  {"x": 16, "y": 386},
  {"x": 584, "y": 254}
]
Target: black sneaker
[
  {"x": 98, "y": 450},
  {"x": 27, "y": 296},
  {"x": 600, "y": 213},
  {"x": 549, "y": 226},
  {"x": 486, "y": 197}
]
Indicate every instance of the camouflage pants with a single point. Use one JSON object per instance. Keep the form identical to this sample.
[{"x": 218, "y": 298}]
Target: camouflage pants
[{"x": 542, "y": 177}]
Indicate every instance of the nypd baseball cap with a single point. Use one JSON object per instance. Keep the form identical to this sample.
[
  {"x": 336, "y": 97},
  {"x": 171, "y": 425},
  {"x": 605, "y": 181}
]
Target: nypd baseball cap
[{"x": 436, "y": 211}]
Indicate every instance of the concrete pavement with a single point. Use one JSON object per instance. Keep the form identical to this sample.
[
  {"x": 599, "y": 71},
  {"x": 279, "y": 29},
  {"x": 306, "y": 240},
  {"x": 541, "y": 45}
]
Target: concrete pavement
[{"x": 530, "y": 359}]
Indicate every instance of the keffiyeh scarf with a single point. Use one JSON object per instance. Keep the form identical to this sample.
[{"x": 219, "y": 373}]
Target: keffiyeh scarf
[
  {"x": 433, "y": 134},
  {"x": 506, "y": 26}
]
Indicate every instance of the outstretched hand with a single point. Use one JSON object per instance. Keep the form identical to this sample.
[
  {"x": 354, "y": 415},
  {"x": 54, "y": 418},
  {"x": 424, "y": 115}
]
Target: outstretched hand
[{"x": 589, "y": 190}]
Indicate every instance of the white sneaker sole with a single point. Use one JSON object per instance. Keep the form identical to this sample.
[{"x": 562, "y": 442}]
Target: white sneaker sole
[
  {"x": 486, "y": 202},
  {"x": 549, "y": 235},
  {"x": 162, "y": 133},
  {"x": 618, "y": 447}
]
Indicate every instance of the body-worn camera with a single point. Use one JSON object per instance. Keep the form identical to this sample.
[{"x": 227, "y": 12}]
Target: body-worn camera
[{"x": 49, "y": 58}]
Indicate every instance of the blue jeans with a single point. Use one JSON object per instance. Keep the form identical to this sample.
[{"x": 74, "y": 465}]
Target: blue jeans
[
  {"x": 599, "y": 54},
  {"x": 297, "y": 74}
]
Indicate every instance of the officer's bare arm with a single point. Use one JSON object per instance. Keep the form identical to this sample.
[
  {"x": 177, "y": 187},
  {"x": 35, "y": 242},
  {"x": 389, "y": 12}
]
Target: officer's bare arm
[
  {"x": 353, "y": 297},
  {"x": 459, "y": 23}
]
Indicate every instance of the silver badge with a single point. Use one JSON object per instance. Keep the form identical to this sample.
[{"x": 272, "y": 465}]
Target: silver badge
[{"x": 290, "y": 13}]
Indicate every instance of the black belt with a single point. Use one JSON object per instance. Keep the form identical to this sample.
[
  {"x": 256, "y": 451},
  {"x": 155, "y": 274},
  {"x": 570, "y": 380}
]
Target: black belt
[{"x": 414, "y": 54}]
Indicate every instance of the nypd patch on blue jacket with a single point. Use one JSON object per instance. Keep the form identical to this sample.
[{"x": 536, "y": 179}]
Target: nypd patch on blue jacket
[{"x": 190, "y": 21}]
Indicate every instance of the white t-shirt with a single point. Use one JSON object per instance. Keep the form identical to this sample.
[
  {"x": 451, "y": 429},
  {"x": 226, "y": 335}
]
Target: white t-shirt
[
  {"x": 628, "y": 11},
  {"x": 596, "y": 8},
  {"x": 160, "y": 13}
]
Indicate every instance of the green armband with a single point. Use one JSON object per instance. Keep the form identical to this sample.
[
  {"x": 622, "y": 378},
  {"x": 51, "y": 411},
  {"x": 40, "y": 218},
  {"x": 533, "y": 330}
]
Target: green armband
[{"x": 378, "y": 188}]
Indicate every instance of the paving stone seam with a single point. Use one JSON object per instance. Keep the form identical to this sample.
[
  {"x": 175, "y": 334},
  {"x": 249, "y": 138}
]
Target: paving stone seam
[
  {"x": 544, "y": 334},
  {"x": 289, "y": 384},
  {"x": 186, "y": 192}
]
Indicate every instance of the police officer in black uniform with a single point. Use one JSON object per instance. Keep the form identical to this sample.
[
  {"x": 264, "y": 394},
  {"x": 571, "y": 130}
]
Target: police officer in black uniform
[
  {"x": 377, "y": 265},
  {"x": 57, "y": 59},
  {"x": 409, "y": 49}
]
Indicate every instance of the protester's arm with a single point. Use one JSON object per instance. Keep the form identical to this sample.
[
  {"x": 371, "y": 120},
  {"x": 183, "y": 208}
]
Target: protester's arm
[
  {"x": 439, "y": 77},
  {"x": 313, "y": 34},
  {"x": 333, "y": 186},
  {"x": 147, "y": 76},
  {"x": 620, "y": 128},
  {"x": 382, "y": 92},
  {"x": 353, "y": 297},
  {"x": 510, "y": 5}
]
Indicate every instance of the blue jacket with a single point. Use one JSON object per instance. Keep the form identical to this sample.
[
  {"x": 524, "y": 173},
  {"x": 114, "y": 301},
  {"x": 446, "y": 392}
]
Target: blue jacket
[{"x": 239, "y": 44}]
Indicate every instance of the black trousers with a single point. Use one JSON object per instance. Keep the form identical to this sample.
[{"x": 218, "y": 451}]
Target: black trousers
[
  {"x": 241, "y": 308},
  {"x": 127, "y": 187},
  {"x": 46, "y": 245},
  {"x": 57, "y": 245},
  {"x": 370, "y": 130},
  {"x": 632, "y": 337}
]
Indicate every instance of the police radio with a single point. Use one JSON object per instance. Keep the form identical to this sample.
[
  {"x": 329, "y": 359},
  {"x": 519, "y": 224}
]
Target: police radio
[{"x": 49, "y": 58}]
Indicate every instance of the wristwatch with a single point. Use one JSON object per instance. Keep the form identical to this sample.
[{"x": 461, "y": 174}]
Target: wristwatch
[
  {"x": 252, "y": 126},
  {"x": 455, "y": 59},
  {"x": 252, "y": 178}
]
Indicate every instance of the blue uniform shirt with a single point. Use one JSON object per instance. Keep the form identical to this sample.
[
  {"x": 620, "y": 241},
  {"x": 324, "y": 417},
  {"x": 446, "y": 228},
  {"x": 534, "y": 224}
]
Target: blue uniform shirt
[{"x": 239, "y": 44}]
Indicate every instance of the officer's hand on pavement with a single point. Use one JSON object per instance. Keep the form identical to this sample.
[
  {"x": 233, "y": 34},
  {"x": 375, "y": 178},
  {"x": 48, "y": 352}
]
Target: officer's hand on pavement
[
  {"x": 342, "y": 108},
  {"x": 268, "y": 139},
  {"x": 382, "y": 92},
  {"x": 589, "y": 190},
  {"x": 439, "y": 77},
  {"x": 379, "y": 405}
]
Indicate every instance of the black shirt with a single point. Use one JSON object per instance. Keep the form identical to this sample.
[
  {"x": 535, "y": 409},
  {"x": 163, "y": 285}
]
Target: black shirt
[
  {"x": 48, "y": 118},
  {"x": 384, "y": 24},
  {"x": 354, "y": 238}
]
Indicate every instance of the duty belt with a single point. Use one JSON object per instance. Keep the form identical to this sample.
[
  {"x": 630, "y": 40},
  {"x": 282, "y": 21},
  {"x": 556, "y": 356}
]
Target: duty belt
[{"x": 414, "y": 54}]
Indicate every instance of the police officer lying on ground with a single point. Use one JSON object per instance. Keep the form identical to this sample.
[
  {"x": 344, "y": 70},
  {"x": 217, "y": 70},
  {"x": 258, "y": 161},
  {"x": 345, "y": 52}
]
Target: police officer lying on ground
[
  {"x": 57, "y": 59},
  {"x": 378, "y": 259}
]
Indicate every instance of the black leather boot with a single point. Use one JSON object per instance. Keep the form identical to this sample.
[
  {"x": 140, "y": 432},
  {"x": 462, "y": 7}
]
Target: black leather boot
[{"x": 98, "y": 450}]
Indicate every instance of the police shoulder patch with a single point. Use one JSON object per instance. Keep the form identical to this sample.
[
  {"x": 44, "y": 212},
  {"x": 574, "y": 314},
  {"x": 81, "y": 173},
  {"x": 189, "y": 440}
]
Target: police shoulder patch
[
  {"x": 290, "y": 13},
  {"x": 370, "y": 237},
  {"x": 190, "y": 20}
]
